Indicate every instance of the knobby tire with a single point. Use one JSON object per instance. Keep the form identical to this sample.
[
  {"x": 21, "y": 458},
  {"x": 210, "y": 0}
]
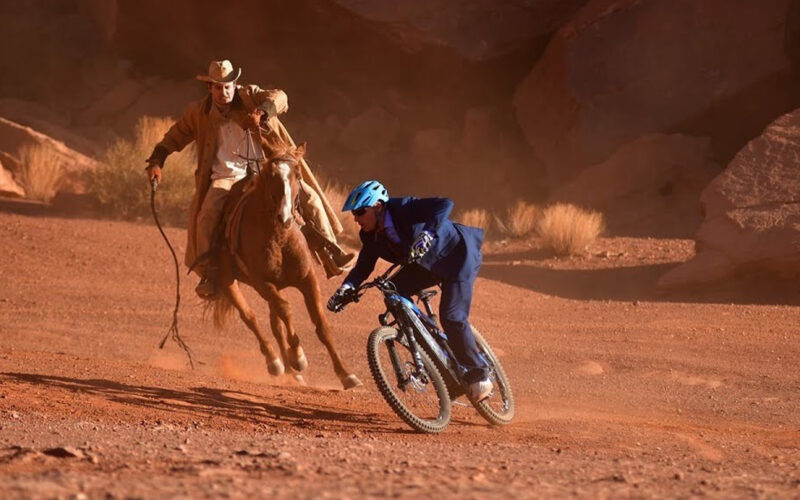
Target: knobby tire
[
  {"x": 387, "y": 385},
  {"x": 502, "y": 388}
]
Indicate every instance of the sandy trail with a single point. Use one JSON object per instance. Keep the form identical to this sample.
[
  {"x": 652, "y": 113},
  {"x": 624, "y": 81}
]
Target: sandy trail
[{"x": 620, "y": 391}]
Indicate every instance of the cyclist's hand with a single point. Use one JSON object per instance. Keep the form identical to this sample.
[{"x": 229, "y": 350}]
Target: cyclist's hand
[
  {"x": 339, "y": 299},
  {"x": 421, "y": 246}
]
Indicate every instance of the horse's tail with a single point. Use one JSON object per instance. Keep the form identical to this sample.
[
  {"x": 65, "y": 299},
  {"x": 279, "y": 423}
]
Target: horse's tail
[{"x": 220, "y": 309}]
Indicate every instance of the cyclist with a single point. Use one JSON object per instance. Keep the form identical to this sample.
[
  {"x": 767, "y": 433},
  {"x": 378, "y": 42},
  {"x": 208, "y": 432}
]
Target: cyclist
[{"x": 443, "y": 252}]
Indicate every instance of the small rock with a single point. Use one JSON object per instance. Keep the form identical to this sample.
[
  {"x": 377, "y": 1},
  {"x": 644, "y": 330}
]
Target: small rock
[{"x": 64, "y": 452}]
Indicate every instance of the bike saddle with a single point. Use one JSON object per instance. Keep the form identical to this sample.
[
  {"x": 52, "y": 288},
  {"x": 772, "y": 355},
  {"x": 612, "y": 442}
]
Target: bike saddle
[{"x": 426, "y": 294}]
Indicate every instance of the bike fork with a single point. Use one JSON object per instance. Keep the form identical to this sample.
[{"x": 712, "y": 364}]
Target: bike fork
[
  {"x": 398, "y": 370},
  {"x": 412, "y": 345}
]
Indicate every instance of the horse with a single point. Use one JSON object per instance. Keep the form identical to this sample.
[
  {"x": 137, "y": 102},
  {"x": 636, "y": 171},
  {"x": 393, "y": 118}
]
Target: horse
[{"x": 268, "y": 252}]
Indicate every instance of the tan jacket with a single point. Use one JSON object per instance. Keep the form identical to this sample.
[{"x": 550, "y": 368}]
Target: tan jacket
[{"x": 199, "y": 124}]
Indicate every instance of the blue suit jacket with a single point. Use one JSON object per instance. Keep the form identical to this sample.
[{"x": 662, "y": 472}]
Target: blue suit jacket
[{"x": 446, "y": 259}]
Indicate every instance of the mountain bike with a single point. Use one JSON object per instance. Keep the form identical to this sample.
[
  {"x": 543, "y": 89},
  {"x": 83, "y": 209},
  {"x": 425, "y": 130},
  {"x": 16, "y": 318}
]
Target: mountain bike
[{"x": 414, "y": 367}]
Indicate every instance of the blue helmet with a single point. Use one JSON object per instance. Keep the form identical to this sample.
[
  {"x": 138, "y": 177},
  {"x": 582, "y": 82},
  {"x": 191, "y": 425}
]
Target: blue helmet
[{"x": 367, "y": 194}]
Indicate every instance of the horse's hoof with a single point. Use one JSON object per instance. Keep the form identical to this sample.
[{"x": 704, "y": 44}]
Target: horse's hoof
[
  {"x": 299, "y": 379},
  {"x": 351, "y": 381},
  {"x": 275, "y": 367},
  {"x": 299, "y": 361}
]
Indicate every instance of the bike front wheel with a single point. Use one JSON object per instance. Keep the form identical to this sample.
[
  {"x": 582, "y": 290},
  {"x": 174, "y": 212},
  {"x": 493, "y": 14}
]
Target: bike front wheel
[
  {"x": 419, "y": 398},
  {"x": 498, "y": 408}
]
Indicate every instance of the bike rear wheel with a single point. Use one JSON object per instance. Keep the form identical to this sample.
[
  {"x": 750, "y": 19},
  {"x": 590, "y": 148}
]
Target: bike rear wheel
[
  {"x": 498, "y": 408},
  {"x": 420, "y": 399}
]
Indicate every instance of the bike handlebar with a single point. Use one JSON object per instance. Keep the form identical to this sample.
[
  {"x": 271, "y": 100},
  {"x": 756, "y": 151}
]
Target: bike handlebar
[{"x": 354, "y": 295}]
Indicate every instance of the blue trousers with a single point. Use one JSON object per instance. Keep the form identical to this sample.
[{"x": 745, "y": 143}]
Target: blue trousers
[{"x": 453, "y": 313}]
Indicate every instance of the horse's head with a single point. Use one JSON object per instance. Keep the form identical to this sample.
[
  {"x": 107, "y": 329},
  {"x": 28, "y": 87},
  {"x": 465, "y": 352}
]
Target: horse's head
[{"x": 281, "y": 176}]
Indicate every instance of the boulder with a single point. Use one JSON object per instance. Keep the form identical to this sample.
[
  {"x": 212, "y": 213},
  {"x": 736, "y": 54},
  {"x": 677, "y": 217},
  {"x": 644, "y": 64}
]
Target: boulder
[
  {"x": 620, "y": 69},
  {"x": 159, "y": 98},
  {"x": 8, "y": 186},
  {"x": 44, "y": 120},
  {"x": 14, "y": 136},
  {"x": 649, "y": 186},
  {"x": 752, "y": 212},
  {"x": 112, "y": 103},
  {"x": 474, "y": 29}
]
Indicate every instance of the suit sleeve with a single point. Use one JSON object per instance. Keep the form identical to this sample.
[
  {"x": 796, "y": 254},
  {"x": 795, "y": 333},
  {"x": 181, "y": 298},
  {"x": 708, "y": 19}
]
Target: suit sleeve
[
  {"x": 365, "y": 264},
  {"x": 432, "y": 211}
]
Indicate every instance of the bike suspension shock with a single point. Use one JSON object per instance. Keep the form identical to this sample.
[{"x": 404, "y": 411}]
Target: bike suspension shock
[{"x": 414, "y": 347}]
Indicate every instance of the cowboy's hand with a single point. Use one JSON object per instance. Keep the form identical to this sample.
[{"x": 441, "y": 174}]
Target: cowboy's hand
[
  {"x": 253, "y": 120},
  {"x": 153, "y": 172},
  {"x": 421, "y": 245},
  {"x": 337, "y": 301}
]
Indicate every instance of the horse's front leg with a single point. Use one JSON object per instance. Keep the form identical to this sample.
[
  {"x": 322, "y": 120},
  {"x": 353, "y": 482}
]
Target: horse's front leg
[
  {"x": 234, "y": 293},
  {"x": 280, "y": 312},
  {"x": 310, "y": 289}
]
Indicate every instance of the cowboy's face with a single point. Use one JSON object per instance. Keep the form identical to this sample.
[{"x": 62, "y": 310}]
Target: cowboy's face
[
  {"x": 367, "y": 218},
  {"x": 222, "y": 93}
]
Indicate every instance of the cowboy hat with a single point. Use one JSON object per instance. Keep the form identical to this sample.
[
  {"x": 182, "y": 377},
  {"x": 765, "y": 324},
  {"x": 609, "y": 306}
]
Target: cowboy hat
[{"x": 220, "y": 72}]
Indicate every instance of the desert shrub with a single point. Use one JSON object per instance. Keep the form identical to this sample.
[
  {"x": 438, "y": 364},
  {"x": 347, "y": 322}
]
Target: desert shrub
[
  {"x": 567, "y": 229},
  {"x": 336, "y": 195},
  {"x": 475, "y": 217},
  {"x": 518, "y": 219},
  {"x": 120, "y": 182},
  {"x": 40, "y": 171}
]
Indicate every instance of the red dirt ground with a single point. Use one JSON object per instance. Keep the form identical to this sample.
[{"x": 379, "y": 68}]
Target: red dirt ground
[{"x": 620, "y": 391}]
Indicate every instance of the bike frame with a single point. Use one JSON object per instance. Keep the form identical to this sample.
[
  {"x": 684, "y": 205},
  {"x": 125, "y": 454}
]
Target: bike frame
[{"x": 415, "y": 327}]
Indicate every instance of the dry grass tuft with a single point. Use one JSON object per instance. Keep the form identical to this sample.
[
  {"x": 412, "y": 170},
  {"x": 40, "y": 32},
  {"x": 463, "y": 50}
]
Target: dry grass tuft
[
  {"x": 476, "y": 217},
  {"x": 519, "y": 219},
  {"x": 336, "y": 195},
  {"x": 120, "y": 182},
  {"x": 41, "y": 172},
  {"x": 567, "y": 229}
]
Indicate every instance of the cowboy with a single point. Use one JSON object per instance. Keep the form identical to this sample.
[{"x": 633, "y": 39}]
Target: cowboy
[
  {"x": 219, "y": 125},
  {"x": 444, "y": 252}
]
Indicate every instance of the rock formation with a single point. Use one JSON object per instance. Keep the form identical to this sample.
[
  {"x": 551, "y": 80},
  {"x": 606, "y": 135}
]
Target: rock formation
[
  {"x": 14, "y": 136},
  {"x": 649, "y": 186},
  {"x": 8, "y": 186},
  {"x": 620, "y": 69},
  {"x": 475, "y": 29},
  {"x": 752, "y": 212}
]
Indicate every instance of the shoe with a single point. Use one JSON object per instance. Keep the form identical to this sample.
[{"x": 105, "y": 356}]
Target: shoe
[
  {"x": 329, "y": 263},
  {"x": 206, "y": 289},
  {"x": 342, "y": 258},
  {"x": 480, "y": 390}
]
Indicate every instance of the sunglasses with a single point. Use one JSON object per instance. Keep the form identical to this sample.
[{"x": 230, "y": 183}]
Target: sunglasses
[{"x": 360, "y": 211}]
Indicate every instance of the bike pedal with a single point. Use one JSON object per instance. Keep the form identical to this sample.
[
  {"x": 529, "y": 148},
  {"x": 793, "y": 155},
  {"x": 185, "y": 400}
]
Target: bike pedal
[{"x": 459, "y": 403}]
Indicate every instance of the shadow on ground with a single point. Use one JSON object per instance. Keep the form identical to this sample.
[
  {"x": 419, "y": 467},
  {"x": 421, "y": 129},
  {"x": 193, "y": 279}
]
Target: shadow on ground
[
  {"x": 205, "y": 401},
  {"x": 639, "y": 283}
]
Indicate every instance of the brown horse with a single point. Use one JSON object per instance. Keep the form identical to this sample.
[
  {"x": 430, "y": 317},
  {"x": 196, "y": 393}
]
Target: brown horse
[{"x": 269, "y": 253}]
